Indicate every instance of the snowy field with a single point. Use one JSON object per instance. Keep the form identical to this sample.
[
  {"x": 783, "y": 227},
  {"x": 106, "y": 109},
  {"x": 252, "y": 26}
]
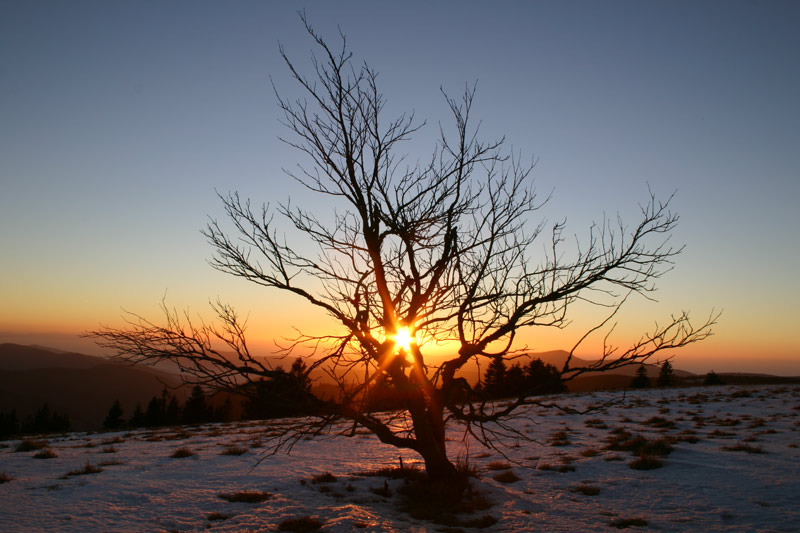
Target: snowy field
[{"x": 735, "y": 466}]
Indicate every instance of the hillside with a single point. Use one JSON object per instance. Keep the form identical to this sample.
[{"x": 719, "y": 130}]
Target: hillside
[
  {"x": 81, "y": 386},
  {"x": 733, "y": 465}
]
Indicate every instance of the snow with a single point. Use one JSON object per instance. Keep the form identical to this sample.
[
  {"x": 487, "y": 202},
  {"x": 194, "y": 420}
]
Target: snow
[{"x": 701, "y": 487}]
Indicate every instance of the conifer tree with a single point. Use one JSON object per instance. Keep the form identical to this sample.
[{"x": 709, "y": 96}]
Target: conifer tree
[
  {"x": 665, "y": 374},
  {"x": 113, "y": 419},
  {"x": 641, "y": 381},
  {"x": 495, "y": 378}
]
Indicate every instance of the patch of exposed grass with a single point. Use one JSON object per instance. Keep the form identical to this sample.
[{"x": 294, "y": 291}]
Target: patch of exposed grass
[
  {"x": 45, "y": 453},
  {"x": 623, "y": 441},
  {"x": 560, "y": 468},
  {"x": 498, "y": 465},
  {"x": 109, "y": 449},
  {"x": 253, "y": 496},
  {"x": 182, "y": 452},
  {"x": 89, "y": 468},
  {"x": 409, "y": 473},
  {"x": 646, "y": 462},
  {"x": 234, "y": 450},
  {"x": 560, "y": 438},
  {"x": 741, "y": 447},
  {"x": 111, "y": 463},
  {"x": 727, "y": 422},
  {"x": 590, "y": 452},
  {"x": 596, "y": 423},
  {"x": 586, "y": 490},
  {"x": 30, "y": 445},
  {"x": 218, "y": 516},
  {"x": 115, "y": 440},
  {"x": 445, "y": 505},
  {"x": 178, "y": 435},
  {"x": 325, "y": 477},
  {"x": 5, "y": 478},
  {"x": 300, "y": 525},
  {"x": 506, "y": 477},
  {"x": 624, "y": 523},
  {"x": 659, "y": 422}
]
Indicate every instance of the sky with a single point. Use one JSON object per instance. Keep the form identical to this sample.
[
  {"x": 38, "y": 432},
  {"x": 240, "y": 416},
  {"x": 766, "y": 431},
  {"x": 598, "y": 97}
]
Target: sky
[{"x": 122, "y": 120}]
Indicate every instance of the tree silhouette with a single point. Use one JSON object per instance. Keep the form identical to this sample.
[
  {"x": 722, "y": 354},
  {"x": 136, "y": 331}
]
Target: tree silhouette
[
  {"x": 196, "y": 410},
  {"x": 284, "y": 394},
  {"x": 9, "y": 423},
  {"x": 713, "y": 379},
  {"x": 494, "y": 381},
  {"x": 137, "y": 418},
  {"x": 641, "y": 381},
  {"x": 543, "y": 378},
  {"x": 46, "y": 421},
  {"x": 665, "y": 374},
  {"x": 411, "y": 255},
  {"x": 114, "y": 419}
]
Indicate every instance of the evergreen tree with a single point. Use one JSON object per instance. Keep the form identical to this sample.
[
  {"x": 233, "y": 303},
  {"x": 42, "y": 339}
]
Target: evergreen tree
[
  {"x": 9, "y": 424},
  {"x": 196, "y": 410},
  {"x": 154, "y": 415},
  {"x": 46, "y": 421},
  {"x": 665, "y": 375},
  {"x": 515, "y": 383},
  {"x": 641, "y": 381},
  {"x": 137, "y": 418},
  {"x": 113, "y": 419},
  {"x": 172, "y": 414},
  {"x": 224, "y": 412},
  {"x": 713, "y": 379},
  {"x": 542, "y": 378},
  {"x": 494, "y": 379},
  {"x": 289, "y": 394}
]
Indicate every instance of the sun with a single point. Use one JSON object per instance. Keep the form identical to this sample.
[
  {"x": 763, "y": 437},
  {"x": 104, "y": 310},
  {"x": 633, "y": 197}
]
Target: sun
[{"x": 403, "y": 339}]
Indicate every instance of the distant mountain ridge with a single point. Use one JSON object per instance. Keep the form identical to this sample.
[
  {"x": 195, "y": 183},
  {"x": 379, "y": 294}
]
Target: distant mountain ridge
[
  {"x": 81, "y": 386},
  {"x": 84, "y": 386}
]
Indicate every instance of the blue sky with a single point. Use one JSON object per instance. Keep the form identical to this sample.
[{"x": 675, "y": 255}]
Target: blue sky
[{"x": 120, "y": 120}]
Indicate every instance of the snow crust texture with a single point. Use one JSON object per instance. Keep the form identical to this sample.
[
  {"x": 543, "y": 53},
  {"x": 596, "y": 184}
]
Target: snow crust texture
[{"x": 734, "y": 466}]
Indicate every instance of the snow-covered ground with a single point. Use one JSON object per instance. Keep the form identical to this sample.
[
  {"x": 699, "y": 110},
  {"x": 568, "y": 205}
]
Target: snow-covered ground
[{"x": 702, "y": 486}]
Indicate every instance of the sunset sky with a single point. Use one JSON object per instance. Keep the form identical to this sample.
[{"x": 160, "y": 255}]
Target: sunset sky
[{"x": 119, "y": 120}]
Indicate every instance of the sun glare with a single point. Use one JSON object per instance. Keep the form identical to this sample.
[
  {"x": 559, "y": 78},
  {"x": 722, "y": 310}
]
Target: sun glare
[{"x": 403, "y": 339}]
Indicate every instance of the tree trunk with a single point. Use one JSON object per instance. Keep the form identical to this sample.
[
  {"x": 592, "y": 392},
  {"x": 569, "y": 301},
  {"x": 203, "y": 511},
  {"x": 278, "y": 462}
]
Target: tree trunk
[{"x": 430, "y": 436}]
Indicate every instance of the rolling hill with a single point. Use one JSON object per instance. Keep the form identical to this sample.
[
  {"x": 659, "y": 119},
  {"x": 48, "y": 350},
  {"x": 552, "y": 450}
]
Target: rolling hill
[{"x": 81, "y": 386}]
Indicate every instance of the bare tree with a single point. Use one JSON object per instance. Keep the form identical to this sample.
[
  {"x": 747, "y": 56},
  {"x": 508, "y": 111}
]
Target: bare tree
[{"x": 440, "y": 253}]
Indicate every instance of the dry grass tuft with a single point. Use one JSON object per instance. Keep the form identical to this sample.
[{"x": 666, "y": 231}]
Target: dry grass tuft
[
  {"x": 89, "y": 468},
  {"x": 624, "y": 523},
  {"x": 234, "y": 450},
  {"x": 30, "y": 445},
  {"x": 325, "y": 477},
  {"x": 741, "y": 447},
  {"x": 506, "y": 477},
  {"x": 646, "y": 462},
  {"x": 300, "y": 525},
  {"x": 586, "y": 490},
  {"x": 445, "y": 505},
  {"x": 45, "y": 453},
  {"x": 182, "y": 452},
  {"x": 245, "y": 496},
  {"x": 498, "y": 465}
]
